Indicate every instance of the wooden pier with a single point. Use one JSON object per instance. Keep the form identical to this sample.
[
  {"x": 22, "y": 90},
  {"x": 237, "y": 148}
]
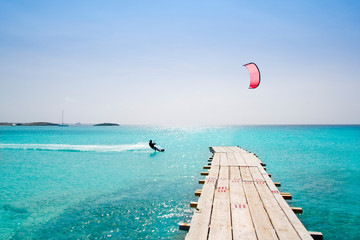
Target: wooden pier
[{"x": 240, "y": 201}]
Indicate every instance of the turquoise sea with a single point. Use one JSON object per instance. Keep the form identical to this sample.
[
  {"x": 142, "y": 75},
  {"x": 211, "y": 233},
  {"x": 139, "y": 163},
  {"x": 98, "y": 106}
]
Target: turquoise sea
[{"x": 106, "y": 183}]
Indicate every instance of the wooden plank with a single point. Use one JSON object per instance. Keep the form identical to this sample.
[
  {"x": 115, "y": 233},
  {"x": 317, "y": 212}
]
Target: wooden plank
[
  {"x": 294, "y": 220},
  {"x": 216, "y": 160},
  {"x": 256, "y": 158},
  {"x": 222, "y": 149},
  {"x": 236, "y": 149},
  {"x": 231, "y": 149},
  {"x": 215, "y": 149},
  {"x": 251, "y": 159},
  {"x": 201, "y": 218},
  {"x": 245, "y": 174},
  {"x": 280, "y": 222},
  {"x": 226, "y": 149},
  {"x": 261, "y": 221},
  {"x": 263, "y": 171},
  {"x": 223, "y": 159},
  {"x": 231, "y": 159},
  {"x": 242, "y": 150},
  {"x": 243, "y": 227},
  {"x": 239, "y": 159},
  {"x": 220, "y": 227}
]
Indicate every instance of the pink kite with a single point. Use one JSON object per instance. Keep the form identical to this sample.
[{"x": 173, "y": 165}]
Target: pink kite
[{"x": 254, "y": 75}]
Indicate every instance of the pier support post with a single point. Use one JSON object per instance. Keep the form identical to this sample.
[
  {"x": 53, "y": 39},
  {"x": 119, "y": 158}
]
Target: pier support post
[
  {"x": 184, "y": 226},
  {"x": 316, "y": 235},
  {"x": 297, "y": 210}
]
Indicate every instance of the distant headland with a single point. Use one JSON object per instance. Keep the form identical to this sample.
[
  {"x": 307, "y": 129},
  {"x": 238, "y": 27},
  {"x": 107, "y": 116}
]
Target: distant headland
[
  {"x": 29, "y": 124},
  {"x": 106, "y": 124},
  {"x": 51, "y": 124}
]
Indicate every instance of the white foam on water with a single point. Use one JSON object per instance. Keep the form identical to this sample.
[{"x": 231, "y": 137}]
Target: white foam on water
[{"x": 77, "y": 148}]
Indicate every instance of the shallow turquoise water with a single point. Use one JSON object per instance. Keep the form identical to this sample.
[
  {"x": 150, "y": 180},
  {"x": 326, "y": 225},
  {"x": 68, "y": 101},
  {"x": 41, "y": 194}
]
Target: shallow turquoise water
[{"x": 105, "y": 182}]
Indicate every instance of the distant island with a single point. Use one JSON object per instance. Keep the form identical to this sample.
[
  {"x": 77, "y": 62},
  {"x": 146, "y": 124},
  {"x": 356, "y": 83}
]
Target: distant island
[
  {"x": 7, "y": 124},
  {"x": 106, "y": 124},
  {"x": 52, "y": 124},
  {"x": 29, "y": 124}
]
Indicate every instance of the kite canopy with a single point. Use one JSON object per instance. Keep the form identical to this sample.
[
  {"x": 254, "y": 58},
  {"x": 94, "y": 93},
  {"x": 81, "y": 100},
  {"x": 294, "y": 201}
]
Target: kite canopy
[{"x": 254, "y": 75}]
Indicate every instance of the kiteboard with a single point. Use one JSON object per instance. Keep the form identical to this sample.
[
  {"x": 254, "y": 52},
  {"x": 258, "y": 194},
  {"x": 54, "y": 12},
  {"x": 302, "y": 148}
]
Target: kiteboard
[{"x": 159, "y": 149}]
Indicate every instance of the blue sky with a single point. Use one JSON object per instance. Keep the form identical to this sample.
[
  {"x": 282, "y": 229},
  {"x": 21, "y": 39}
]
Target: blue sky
[{"x": 180, "y": 62}]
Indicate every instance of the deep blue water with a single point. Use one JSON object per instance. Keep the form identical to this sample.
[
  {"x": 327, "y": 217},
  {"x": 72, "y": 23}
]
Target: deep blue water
[{"x": 105, "y": 182}]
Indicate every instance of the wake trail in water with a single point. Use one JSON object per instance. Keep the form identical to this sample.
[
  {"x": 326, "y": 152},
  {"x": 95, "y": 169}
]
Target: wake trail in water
[{"x": 78, "y": 148}]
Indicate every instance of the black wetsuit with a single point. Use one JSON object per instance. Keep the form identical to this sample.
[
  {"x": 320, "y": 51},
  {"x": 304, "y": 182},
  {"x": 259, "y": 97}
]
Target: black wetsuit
[{"x": 152, "y": 145}]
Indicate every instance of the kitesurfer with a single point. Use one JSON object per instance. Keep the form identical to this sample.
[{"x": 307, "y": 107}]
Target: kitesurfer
[{"x": 152, "y": 145}]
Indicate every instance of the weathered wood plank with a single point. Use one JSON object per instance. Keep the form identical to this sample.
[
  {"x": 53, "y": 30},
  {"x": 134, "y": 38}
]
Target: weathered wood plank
[
  {"x": 239, "y": 159},
  {"x": 223, "y": 149},
  {"x": 226, "y": 149},
  {"x": 231, "y": 149},
  {"x": 262, "y": 170},
  {"x": 280, "y": 222},
  {"x": 201, "y": 218},
  {"x": 231, "y": 159},
  {"x": 220, "y": 226},
  {"x": 216, "y": 160},
  {"x": 261, "y": 221},
  {"x": 215, "y": 149},
  {"x": 294, "y": 220},
  {"x": 242, "y": 150},
  {"x": 236, "y": 149},
  {"x": 223, "y": 159},
  {"x": 242, "y": 224},
  {"x": 250, "y": 159},
  {"x": 218, "y": 149}
]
